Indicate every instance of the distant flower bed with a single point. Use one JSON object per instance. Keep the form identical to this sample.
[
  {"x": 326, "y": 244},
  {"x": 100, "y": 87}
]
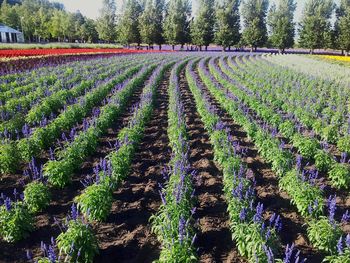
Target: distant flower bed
[
  {"x": 64, "y": 51},
  {"x": 338, "y": 58}
]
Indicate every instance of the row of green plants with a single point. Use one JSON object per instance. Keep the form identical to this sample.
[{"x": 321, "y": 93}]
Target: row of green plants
[
  {"x": 57, "y": 98},
  {"x": 309, "y": 148},
  {"x": 328, "y": 116},
  {"x": 256, "y": 240},
  {"x": 13, "y": 152},
  {"x": 28, "y": 80},
  {"x": 96, "y": 200},
  {"x": 59, "y": 171},
  {"x": 304, "y": 195},
  {"x": 173, "y": 223},
  {"x": 37, "y": 193}
]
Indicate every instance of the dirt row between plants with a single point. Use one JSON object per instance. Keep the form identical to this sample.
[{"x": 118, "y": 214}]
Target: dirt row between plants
[
  {"x": 62, "y": 199},
  {"x": 214, "y": 240},
  {"x": 268, "y": 192},
  {"x": 126, "y": 235}
]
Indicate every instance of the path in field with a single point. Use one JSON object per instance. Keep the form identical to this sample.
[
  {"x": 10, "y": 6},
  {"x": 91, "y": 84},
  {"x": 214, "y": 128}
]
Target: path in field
[
  {"x": 214, "y": 238},
  {"x": 62, "y": 199},
  {"x": 268, "y": 193},
  {"x": 126, "y": 236}
]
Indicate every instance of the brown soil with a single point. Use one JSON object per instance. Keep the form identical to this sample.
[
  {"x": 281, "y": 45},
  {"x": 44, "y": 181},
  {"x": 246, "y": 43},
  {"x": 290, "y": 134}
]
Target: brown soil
[
  {"x": 214, "y": 240},
  {"x": 62, "y": 199},
  {"x": 126, "y": 235},
  {"x": 268, "y": 193}
]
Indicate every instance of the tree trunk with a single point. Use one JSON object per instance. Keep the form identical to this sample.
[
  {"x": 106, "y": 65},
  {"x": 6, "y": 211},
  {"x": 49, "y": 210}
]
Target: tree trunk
[
  {"x": 173, "y": 47},
  {"x": 160, "y": 47},
  {"x": 200, "y": 48},
  {"x": 311, "y": 51},
  {"x": 252, "y": 49},
  {"x": 206, "y": 48},
  {"x": 229, "y": 48},
  {"x": 342, "y": 52}
]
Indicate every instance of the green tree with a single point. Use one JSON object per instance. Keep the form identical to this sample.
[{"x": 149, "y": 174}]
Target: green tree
[
  {"x": 227, "y": 23},
  {"x": 9, "y": 15},
  {"x": 202, "y": 28},
  {"x": 106, "y": 26},
  {"x": 342, "y": 27},
  {"x": 129, "y": 23},
  {"x": 150, "y": 22},
  {"x": 280, "y": 21},
  {"x": 315, "y": 26},
  {"x": 254, "y": 20},
  {"x": 88, "y": 31},
  {"x": 176, "y": 23}
]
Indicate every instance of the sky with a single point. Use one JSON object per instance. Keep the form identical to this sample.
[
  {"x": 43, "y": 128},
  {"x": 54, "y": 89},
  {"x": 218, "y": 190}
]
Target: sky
[{"x": 90, "y": 8}]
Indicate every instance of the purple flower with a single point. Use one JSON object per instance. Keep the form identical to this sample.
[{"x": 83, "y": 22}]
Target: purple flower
[
  {"x": 8, "y": 204},
  {"x": 269, "y": 254},
  {"x": 243, "y": 214},
  {"x": 347, "y": 240},
  {"x": 74, "y": 212},
  {"x": 29, "y": 254},
  {"x": 51, "y": 254},
  {"x": 332, "y": 202},
  {"x": 346, "y": 217},
  {"x": 182, "y": 226},
  {"x": 340, "y": 245}
]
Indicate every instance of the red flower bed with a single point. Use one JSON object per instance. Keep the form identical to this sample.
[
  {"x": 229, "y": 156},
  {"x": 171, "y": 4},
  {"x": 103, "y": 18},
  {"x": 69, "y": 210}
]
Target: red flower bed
[{"x": 64, "y": 51}]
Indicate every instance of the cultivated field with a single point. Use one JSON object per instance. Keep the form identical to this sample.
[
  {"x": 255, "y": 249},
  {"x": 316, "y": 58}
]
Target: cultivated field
[{"x": 176, "y": 157}]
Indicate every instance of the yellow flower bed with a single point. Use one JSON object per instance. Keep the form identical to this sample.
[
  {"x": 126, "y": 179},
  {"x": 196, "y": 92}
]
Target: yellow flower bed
[{"x": 338, "y": 58}]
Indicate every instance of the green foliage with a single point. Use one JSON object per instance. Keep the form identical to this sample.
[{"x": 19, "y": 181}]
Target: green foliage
[
  {"x": 36, "y": 196},
  {"x": 315, "y": 29},
  {"x": 323, "y": 161},
  {"x": 302, "y": 193},
  {"x": 307, "y": 147},
  {"x": 95, "y": 202},
  {"x": 58, "y": 173},
  {"x": 323, "y": 234},
  {"x": 340, "y": 175},
  {"x": 280, "y": 20},
  {"x": 176, "y": 23},
  {"x": 16, "y": 223},
  {"x": 287, "y": 129},
  {"x": 151, "y": 21},
  {"x": 85, "y": 243},
  {"x": 330, "y": 133},
  {"x": 106, "y": 22},
  {"x": 9, "y": 158},
  {"x": 343, "y": 144},
  {"x": 128, "y": 26},
  {"x": 227, "y": 23},
  {"x": 250, "y": 241},
  {"x": 202, "y": 28},
  {"x": 254, "y": 16}
]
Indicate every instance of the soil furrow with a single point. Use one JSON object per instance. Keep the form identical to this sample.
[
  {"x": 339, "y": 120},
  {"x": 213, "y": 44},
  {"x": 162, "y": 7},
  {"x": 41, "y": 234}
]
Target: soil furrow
[
  {"x": 267, "y": 189},
  {"x": 62, "y": 199},
  {"x": 126, "y": 235},
  {"x": 214, "y": 238}
]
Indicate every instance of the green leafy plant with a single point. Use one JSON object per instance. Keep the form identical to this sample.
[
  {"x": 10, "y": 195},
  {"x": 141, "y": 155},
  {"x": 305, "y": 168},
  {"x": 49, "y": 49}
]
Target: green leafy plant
[
  {"x": 340, "y": 175},
  {"x": 15, "y": 221},
  {"x": 78, "y": 242},
  {"x": 330, "y": 133},
  {"x": 36, "y": 196},
  {"x": 95, "y": 202},
  {"x": 58, "y": 172},
  {"x": 9, "y": 157},
  {"x": 344, "y": 144},
  {"x": 307, "y": 147},
  {"x": 323, "y": 161},
  {"x": 323, "y": 234}
]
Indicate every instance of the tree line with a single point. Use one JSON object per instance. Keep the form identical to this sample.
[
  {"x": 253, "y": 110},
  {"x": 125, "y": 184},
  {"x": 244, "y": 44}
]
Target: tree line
[{"x": 228, "y": 23}]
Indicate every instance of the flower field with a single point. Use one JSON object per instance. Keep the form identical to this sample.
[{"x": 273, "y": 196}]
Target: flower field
[{"x": 175, "y": 157}]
